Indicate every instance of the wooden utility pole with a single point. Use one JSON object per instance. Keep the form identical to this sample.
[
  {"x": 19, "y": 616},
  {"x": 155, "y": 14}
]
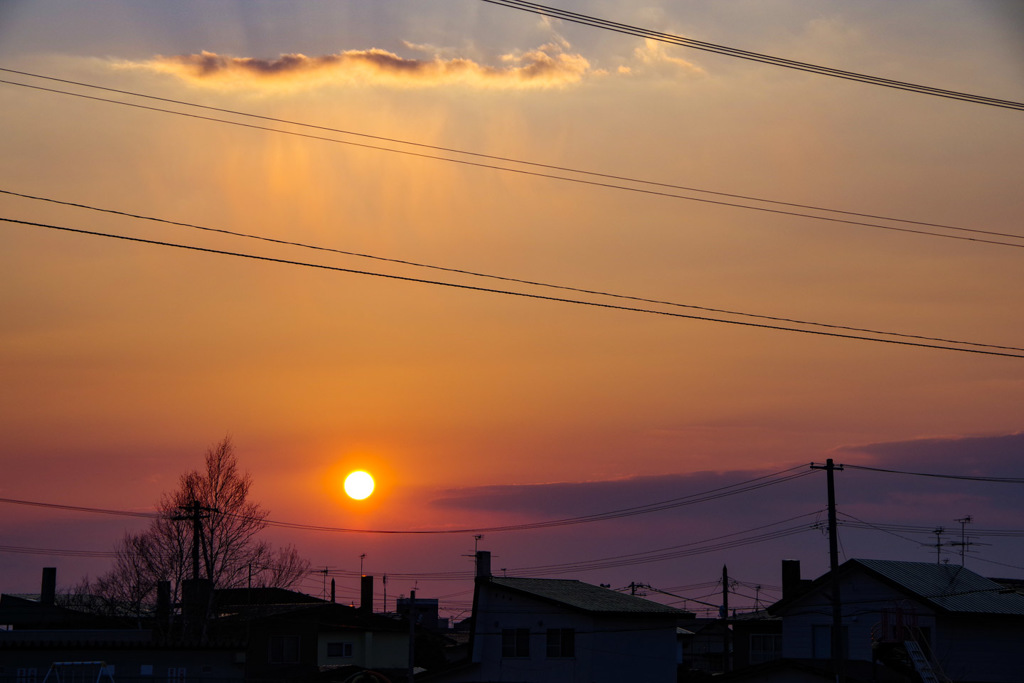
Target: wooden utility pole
[
  {"x": 194, "y": 512},
  {"x": 725, "y": 620},
  {"x": 412, "y": 636},
  {"x": 838, "y": 642}
]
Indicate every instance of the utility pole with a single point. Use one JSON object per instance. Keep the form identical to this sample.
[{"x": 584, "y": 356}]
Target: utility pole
[
  {"x": 412, "y": 635},
  {"x": 938, "y": 543},
  {"x": 196, "y": 596},
  {"x": 725, "y": 619},
  {"x": 963, "y": 521},
  {"x": 833, "y": 557},
  {"x": 193, "y": 512}
]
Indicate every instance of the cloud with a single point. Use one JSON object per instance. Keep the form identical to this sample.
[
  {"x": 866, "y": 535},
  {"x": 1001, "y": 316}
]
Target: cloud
[
  {"x": 998, "y": 455},
  {"x": 588, "y": 497},
  {"x": 652, "y": 57},
  {"x": 937, "y": 499},
  {"x": 548, "y": 66}
]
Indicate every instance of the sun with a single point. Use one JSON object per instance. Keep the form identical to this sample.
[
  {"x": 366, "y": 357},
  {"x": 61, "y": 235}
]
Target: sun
[{"x": 359, "y": 485}]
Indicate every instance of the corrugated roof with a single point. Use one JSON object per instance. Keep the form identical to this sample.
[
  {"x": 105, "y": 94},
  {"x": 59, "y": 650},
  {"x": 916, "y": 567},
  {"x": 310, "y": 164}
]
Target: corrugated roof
[
  {"x": 585, "y": 597},
  {"x": 949, "y": 587}
]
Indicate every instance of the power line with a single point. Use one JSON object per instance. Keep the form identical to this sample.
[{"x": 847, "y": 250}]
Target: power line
[
  {"x": 79, "y": 508},
  {"x": 551, "y": 176},
  {"x": 701, "y": 547},
  {"x": 745, "y": 486},
  {"x": 960, "y": 477},
  {"x": 578, "y": 302},
  {"x": 56, "y": 552},
  {"x": 461, "y": 271},
  {"x": 616, "y": 27}
]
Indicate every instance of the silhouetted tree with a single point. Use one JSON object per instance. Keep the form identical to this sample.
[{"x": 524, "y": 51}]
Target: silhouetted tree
[{"x": 231, "y": 554}]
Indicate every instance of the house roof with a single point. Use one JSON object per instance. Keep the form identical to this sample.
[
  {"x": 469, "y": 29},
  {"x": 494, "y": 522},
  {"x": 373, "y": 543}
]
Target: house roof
[
  {"x": 232, "y": 597},
  {"x": 944, "y": 587},
  {"x": 324, "y": 615},
  {"x": 951, "y": 588},
  {"x": 585, "y": 597}
]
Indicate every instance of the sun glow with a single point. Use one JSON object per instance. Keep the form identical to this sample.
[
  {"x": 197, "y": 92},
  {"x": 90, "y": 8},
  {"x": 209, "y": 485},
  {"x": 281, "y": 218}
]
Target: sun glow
[{"x": 359, "y": 485}]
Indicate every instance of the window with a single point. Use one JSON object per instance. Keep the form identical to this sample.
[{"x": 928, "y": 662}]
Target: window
[
  {"x": 561, "y": 642},
  {"x": 765, "y": 647},
  {"x": 515, "y": 642},
  {"x": 176, "y": 674},
  {"x": 339, "y": 649},
  {"x": 284, "y": 650},
  {"x": 27, "y": 675},
  {"x": 145, "y": 669}
]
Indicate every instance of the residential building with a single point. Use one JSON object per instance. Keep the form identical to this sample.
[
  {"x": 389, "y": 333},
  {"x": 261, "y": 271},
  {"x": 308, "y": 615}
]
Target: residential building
[
  {"x": 560, "y": 631},
  {"x": 936, "y": 621}
]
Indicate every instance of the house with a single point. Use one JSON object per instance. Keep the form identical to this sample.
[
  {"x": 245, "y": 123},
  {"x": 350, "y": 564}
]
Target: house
[
  {"x": 558, "y": 630},
  {"x": 933, "y": 621},
  {"x": 306, "y": 641},
  {"x": 254, "y": 634},
  {"x": 756, "y": 639},
  {"x": 39, "y": 638}
]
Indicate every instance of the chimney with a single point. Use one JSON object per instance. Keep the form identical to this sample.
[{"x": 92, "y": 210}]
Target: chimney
[
  {"x": 163, "y": 608},
  {"x": 483, "y": 564},
  {"x": 48, "y": 592},
  {"x": 791, "y": 583},
  {"x": 163, "y": 601},
  {"x": 366, "y": 594}
]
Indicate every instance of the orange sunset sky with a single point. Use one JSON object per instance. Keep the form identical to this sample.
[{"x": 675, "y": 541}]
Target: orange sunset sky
[{"x": 123, "y": 361}]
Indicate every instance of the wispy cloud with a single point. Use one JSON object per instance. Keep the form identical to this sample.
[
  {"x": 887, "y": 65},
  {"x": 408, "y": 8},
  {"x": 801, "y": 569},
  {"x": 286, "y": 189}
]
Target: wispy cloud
[
  {"x": 548, "y": 66},
  {"x": 588, "y": 497},
  {"x": 998, "y": 455},
  {"x": 653, "y": 58}
]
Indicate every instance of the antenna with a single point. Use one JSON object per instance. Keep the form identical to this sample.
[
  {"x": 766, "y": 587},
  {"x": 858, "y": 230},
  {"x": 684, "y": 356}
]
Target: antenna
[
  {"x": 938, "y": 543},
  {"x": 963, "y": 522}
]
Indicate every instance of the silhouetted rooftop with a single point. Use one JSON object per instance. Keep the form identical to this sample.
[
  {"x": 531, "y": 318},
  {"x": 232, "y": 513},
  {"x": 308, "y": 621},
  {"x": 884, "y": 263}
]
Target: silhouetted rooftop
[
  {"x": 585, "y": 597},
  {"x": 949, "y": 587}
]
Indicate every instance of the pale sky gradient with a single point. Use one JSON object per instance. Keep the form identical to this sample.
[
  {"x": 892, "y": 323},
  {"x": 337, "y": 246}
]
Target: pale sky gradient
[{"x": 123, "y": 362}]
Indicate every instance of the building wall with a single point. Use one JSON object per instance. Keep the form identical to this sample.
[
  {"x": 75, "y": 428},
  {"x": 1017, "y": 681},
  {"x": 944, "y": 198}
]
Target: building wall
[
  {"x": 637, "y": 649},
  {"x": 981, "y": 649},
  {"x": 131, "y": 663},
  {"x": 369, "y": 650},
  {"x": 807, "y": 625}
]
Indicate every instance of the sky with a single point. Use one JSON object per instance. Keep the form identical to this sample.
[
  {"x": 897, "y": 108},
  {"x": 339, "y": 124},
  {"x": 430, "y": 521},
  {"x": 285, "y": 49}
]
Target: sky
[{"x": 380, "y": 131}]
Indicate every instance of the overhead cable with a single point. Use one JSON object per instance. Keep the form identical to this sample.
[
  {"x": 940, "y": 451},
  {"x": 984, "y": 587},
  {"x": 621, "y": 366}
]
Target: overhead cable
[
  {"x": 729, "y": 490},
  {"x": 461, "y": 271},
  {"x": 645, "y": 186},
  {"x": 527, "y": 295},
  {"x": 959, "y": 477},
  {"x": 626, "y": 29}
]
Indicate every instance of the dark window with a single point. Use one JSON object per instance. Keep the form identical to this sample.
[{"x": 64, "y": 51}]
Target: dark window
[
  {"x": 765, "y": 647},
  {"x": 284, "y": 649},
  {"x": 339, "y": 649},
  {"x": 176, "y": 674},
  {"x": 515, "y": 642},
  {"x": 561, "y": 642}
]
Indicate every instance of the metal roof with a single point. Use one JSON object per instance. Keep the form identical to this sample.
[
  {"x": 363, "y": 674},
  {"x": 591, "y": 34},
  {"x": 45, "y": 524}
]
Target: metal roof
[
  {"x": 948, "y": 587},
  {"x": 585, "y": 597}
]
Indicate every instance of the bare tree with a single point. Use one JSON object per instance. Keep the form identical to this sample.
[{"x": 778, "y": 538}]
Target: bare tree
[{"x": 231, "y": 554}]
